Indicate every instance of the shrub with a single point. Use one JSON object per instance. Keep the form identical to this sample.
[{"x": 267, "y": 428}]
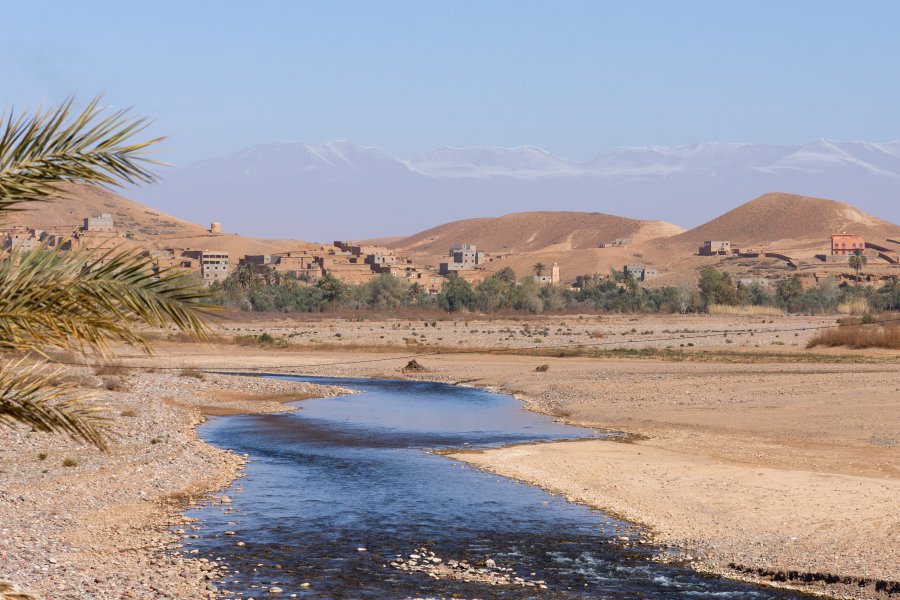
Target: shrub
[
  {"x": 129, "y": 412},
  {"x": 70, "y": 462},
  {"x": 191, "y": 372},
  {"x": 542, "y": 368},
  {"x": 871, "y": 332},
  {"x": 42, "y": 456}
]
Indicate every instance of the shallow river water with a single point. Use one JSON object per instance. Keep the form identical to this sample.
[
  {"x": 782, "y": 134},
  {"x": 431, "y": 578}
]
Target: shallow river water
[{"x": 355, "y": 472}]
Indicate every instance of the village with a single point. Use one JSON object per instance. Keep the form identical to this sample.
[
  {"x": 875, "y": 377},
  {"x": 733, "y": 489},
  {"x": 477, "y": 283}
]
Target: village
[
  {"x": 350, "y": 262},
  {"x": 358, "y": 262}
]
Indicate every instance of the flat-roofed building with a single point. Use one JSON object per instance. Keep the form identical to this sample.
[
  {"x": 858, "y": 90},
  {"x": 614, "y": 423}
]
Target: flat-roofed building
[
  {"x": 102, "y": 222},
  {"x": 844, "y": 244},
  {"x": 715, "y": 247},
  {"x": 214, "y": 265}
]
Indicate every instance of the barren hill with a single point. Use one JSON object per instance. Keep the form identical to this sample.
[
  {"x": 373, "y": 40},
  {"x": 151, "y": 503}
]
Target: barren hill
[
  {"x": 150, "y": 228},
  {"x": 531, "y": 232},
  {"x": 778, "y": 217}
]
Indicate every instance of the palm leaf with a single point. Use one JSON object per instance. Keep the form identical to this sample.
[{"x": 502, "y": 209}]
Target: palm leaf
[
  {"x": 53, "y": 146},
  {"x": 76, "y": 300},
  {"x": 31, "y": 394},
  {"x": 81, "y": 300}
]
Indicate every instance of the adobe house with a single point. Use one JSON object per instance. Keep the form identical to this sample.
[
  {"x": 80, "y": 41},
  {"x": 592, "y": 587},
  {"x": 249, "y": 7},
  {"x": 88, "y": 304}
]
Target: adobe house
[
  {"x": 213, "y": 266},
  {"x": 714, "y": 247},
  {"x": 845, "y": 244},
  {"x": 102, "y": 222},
  {"x": 639, "y": 272},
  {"x": 549, "y": 279}
]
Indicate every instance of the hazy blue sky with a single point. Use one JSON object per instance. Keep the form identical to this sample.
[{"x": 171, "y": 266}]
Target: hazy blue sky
[{"x": 575, "y": 78}]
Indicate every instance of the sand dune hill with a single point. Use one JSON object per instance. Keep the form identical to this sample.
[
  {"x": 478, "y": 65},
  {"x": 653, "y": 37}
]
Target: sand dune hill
[
  {"x": 531, "y": 232},
  {"x": 778, "y": 217},
  {"x": 149, "y": 227}
]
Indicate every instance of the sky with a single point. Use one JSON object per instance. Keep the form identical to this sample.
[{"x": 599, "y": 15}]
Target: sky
[{"x": 575, "y": 78}]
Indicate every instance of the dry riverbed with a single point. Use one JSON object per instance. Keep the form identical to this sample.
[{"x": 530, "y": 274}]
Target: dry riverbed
[{"x": 77, "y": 524}]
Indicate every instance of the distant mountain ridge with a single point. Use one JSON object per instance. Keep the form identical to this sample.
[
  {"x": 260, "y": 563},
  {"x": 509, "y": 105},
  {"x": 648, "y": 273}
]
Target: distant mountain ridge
[{"x": 318, "y": 191}]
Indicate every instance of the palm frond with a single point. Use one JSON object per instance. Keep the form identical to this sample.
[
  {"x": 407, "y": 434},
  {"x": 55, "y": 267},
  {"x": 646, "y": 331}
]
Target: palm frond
[
  {"x": 53, "y": 146},
  {"x": 30, "y": 394},
  {"x": 81, "y": 300}
]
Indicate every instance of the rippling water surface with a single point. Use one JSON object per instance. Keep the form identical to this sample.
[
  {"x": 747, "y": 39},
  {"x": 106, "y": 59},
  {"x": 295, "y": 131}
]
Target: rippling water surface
[{"x": 354, "y": 471}]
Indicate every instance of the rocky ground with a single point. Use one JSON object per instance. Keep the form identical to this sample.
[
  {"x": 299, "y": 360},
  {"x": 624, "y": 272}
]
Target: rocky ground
[
  {"x": 425, "y": 561},
  {"x": 77, "y": 524},
  {"x": 603, "y": 331}
]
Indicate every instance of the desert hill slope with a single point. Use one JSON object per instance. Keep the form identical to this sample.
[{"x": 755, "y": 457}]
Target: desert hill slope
[
  {"x": 786, "y": 219},
  {"x": 529, "y": 232},
  {"x": 149, "y": 228}
]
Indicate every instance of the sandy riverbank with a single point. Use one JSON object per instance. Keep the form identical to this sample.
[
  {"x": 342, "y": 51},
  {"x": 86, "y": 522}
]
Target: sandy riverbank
[{"x": 102, "y": 527}]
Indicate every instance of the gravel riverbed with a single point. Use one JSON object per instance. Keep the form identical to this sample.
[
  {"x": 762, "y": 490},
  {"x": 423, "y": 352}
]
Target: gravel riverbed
[{"x": 76, "y": 523}]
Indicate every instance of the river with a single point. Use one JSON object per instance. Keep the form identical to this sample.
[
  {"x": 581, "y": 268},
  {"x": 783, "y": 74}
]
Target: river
[{"x": 356, "y": 472}]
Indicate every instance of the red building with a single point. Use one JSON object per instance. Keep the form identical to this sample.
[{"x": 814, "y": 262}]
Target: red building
[{"x": 846, "y": 243}]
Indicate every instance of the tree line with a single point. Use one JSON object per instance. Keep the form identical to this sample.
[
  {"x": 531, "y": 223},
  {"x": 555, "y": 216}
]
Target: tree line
[{"x": 248, "y": 289}]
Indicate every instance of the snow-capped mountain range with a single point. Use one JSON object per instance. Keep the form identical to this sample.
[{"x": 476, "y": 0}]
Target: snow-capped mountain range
[{"x": 342, "y": 190}]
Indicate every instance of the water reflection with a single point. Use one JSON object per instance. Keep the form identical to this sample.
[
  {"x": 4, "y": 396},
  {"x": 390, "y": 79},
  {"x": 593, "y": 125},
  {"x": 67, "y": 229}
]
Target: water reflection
[{"x": 352, "y": 472}]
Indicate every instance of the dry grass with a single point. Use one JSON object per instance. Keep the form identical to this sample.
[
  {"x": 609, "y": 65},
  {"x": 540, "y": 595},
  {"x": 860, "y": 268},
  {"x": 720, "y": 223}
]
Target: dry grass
[
  {"x": 191, "y": 372},
  {"x": 882, "y": 332},
  {"x": 665, "y": 354},
  {"x": 744, "y": 311},
  {"x": 857, "y": 306}
]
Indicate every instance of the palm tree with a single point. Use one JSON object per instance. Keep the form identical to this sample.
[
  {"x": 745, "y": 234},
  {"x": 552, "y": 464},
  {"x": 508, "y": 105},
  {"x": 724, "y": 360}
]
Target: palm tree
[
  {"x": 856, "y": 262},
  {"x": 75, "y": 301},
  {"x": 539, "y": 269}
]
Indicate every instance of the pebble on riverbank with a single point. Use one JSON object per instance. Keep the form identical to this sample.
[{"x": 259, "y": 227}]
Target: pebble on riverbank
[
  {"x": 107, "y": 526},
  {"x": 425, "y": 561}
]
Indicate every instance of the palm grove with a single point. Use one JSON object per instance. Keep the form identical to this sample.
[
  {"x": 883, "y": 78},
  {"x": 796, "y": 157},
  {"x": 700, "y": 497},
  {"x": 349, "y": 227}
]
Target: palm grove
[{"x": 249, "y": 289}]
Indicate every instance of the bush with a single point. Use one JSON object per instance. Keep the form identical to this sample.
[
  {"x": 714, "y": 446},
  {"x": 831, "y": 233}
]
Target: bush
[
  {"x": 878, "y": 332},
  {"x": 42, "y": 456},
  {"x": 191, "y": 372},
  {"x": 70, "y": 462},
  {"x": 542, "y": 368}
]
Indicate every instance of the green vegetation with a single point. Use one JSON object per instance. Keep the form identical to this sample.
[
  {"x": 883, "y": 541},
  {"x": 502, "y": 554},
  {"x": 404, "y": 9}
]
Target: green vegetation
[
  {"x": 501, "y": 291},
  {"x": 74, "y": 301},
  {"x": 856, "y": 262}
]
